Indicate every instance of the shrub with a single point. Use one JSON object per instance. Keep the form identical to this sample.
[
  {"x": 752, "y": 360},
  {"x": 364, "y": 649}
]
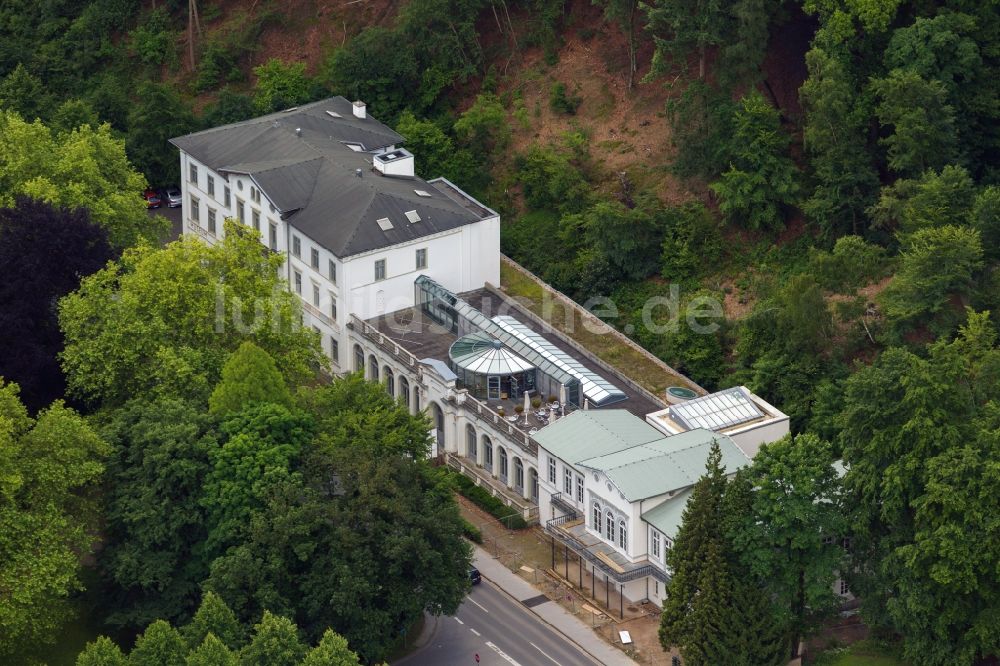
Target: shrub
[
  {"x": 562, "y": 102},
  {"x": 536, "y": 402},
  {"x": 471, "y": 532},
  {"x": 482, "y": 498}
]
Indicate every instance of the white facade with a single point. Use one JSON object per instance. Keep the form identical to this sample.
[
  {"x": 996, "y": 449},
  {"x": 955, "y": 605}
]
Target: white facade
[{"x": 333, "y": 288}]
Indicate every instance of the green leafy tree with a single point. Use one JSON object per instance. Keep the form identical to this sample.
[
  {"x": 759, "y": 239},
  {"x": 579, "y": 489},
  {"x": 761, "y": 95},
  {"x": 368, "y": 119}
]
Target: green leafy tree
[
  {"x": 212, "y": 652},
  {"x": 834, "y": 137},
  {"x": 338, "y": 542},
  {"x": 790, "y": 536},
  {"x": 49, "y": 467},
  {"x": 86, "y": 168},
  {"x": 985, "y": 218},
  {"x": 923, "y": 122},
  {"x": 332, "y": 650},
  {"x": 230, "y": 107},
  {"x": 262, "y": 442},
  {"x": 692, "y": 242},
  {"x": 214, "y": 618},
  {"x": 432, "y": 149},
  {"x": 249, "y": 376},
  {"x": 378, "y": 68},
  {"x": 72, "y": 114},
  {"x": 762, "y": 180},
  {"x": 158, "y": 115},
  {"x": 280, "y": 86},
  {"x": 159, "y": 645},
  {"x": 932, "y": 200},
  {"x": 102, "y": 652},
  {"x": 853, "y": 263},
  {"x": 153, "y": 317},
  {"x": 155, "y": 522},
  {"x": 484, "y": 125},
  {"x": 702, "y": 127},
  {"x": 917, "y": 435},
  {"x": 23, "y": 93},
  {"x": 680, "y": 28},
  {"x": 552, "y": 181},
  {"x": 275, "y": 642},
  {"x": 936, "y": 265},
  {"x": 629, "y": 240}
]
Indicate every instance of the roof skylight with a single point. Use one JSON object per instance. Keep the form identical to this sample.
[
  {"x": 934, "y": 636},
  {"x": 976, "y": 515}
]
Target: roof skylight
[
  {"x": 413, "y": 216},
  {"x": 716, "y": 411},
  {"x": 334, "y": 114},
  {"x": 422, "y": 193},
  {"x": 384, "y": 223}
]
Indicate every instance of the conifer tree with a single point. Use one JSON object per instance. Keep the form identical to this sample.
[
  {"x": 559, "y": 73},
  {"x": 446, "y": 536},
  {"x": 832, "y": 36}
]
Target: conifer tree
[
  {"x": 275, "y": 642},
  {"x": 212, "y": 652},
  {"x": 159, "y": 645},
  {"x": 214, "y": 618}
]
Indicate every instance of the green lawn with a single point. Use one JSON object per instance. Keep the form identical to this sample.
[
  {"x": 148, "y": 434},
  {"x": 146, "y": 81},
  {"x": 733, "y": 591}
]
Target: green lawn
[{"x": 630, "y": 362}]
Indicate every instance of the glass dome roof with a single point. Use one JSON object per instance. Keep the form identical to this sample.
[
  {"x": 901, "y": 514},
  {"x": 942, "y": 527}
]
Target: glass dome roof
[{"x": 479, "y": 353}]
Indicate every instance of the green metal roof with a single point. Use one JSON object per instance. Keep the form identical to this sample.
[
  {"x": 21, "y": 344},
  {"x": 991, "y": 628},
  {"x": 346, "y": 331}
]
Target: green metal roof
[
  {"x": 587, "y": 433},
  {"x": 666, "y": 517},
  {"x": 666, "y": 464}
]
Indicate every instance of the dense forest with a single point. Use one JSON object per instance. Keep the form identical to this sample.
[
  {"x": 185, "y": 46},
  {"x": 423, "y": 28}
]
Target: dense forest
[{"x": 829, "y": 174}]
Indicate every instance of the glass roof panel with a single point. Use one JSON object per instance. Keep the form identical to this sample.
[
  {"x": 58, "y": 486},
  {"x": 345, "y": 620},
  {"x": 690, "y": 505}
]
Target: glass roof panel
[
  {"x": 716, "y": 411},
  {"x": 595, "y": 388}
]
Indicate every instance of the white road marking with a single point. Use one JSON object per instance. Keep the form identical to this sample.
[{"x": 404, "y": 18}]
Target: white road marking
[
  {"x": 479, "y": 604},
  {"x": 474, "y": 631},
  {"x": 459, "y": 621},
  {"x": 543, "y": 652},
  {"x": 503, "y": 655}
]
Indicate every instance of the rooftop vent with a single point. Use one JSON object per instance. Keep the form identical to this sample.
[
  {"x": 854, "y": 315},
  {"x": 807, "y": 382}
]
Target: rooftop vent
[
  {"x": 357, "y": 172},
  {"x": 298, "y": 131},
  {"x": 413, "y": 216},
  {"x": 384, "y": 223},
  {"x": 422, "y": 193},
  {"x": 359, "y": 109},
  {"x": 334, "y": 114}
]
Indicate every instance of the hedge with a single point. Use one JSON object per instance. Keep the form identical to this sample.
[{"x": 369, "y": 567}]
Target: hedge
[
  {"x": 482, "y": 498},
  {"x": 471, "y": 532}
]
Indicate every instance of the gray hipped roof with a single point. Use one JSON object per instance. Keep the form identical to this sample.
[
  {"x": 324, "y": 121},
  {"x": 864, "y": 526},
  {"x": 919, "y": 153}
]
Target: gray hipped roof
[{"x": 300, "y": 161}]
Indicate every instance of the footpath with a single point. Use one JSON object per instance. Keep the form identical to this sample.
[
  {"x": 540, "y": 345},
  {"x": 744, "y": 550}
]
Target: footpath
[{"x": 549, "y": 612}]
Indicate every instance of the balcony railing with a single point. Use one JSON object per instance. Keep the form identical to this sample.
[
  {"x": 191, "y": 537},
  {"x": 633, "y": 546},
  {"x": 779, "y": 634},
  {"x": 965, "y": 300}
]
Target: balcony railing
[
  {"x": 484, "y": 480},
  {"x": 472, "y": 407},
  {"x": 319, "y": 314},
  {"x": 554, "y": 528},
  {"x": 560, "y": 502}
]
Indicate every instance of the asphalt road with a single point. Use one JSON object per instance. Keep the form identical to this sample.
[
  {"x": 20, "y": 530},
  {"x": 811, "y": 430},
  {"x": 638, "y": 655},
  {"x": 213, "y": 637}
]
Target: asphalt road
[
  {"x": 172, "y": 214},
  {"x": 500, "y": 630}
]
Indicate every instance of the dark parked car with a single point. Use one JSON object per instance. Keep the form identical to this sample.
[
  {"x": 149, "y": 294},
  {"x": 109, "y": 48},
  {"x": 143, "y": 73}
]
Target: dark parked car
[
  {"x": 152, "y": 198},
  {"x": 172, "y": 195},
  {"x": 474, "y": 576}
]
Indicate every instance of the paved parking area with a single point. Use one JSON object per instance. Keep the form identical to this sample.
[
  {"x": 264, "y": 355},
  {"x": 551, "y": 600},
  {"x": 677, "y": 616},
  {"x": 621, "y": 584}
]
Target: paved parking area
[{"x": 172, "y": 214}]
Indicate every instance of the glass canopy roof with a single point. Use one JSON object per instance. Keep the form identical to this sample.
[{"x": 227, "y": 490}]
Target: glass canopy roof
[
  {"x": 595, "y": 388},
  {"x": 716, "y": 411},
  {"x": 479, "y": 353}
]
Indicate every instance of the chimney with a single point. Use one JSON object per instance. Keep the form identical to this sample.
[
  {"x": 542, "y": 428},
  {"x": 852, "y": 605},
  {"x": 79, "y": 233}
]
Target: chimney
[{"x": 359, "y": 109}]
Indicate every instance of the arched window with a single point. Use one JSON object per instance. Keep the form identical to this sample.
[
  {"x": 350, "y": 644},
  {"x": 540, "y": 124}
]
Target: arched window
[
  {"x": 439, "y": 425},
  {"x": 597, "y": 518},
  {"x": 622, "y": 535},
  {"x": 503, "y": 464},
  {"x": 390, "y": 381},
  {"x": 373, "y": 368},
  {"x": 519, "y": 475},
  {"x": 404, "y": 392},
  {"x": 609, "y": 526},
  {"x": 359, "y": 359},
  {"x": 416, "y": 399},
  {"x": 471, "y": 439},
  {"x": 487, "y": 454}
]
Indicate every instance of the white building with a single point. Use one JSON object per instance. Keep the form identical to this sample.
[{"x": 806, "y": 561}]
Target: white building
[
  {"x": 747, "y": 419},
  {"x": 328, "y": 186},
  {"x": 614, "y": 489}
]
